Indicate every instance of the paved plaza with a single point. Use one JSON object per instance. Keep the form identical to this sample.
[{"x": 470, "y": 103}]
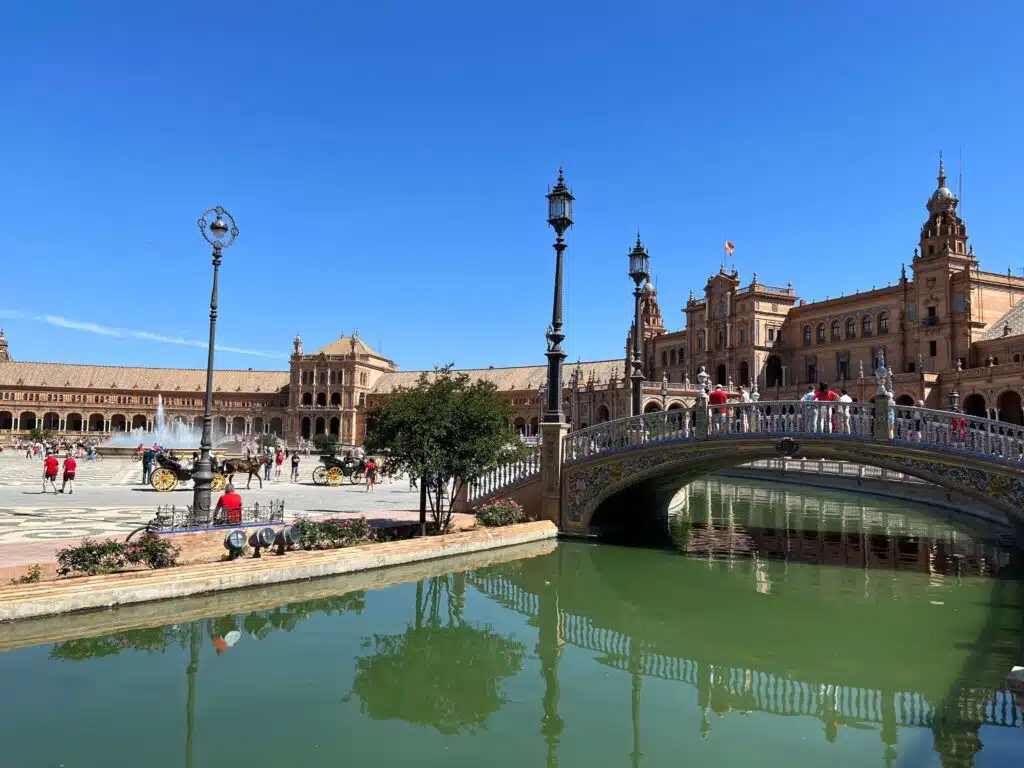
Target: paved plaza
[{"x": 110, "y": 500}]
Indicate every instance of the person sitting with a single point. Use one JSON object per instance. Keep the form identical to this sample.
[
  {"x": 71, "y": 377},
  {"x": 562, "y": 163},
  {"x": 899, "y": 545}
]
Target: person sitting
[{"x": 230, "y": 503}]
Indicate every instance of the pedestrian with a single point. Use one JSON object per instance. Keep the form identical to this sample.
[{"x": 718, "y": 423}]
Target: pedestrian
[
  {"x": 69, "y": 473},
  {"x": 231, "y": 505},
  {"x": 50, "y": 472},
  {"x": 717, "y": 397},
  {"x": 295, "y": 466},
  {"x": 824, "y": 415},
  {"x": 844, "y": 409},
  {"x": 268, "y": 462},
  {"x": 147, "y": 465},
  {"x": 371, "y": 474},
  {"x": 278, "y": 461}
]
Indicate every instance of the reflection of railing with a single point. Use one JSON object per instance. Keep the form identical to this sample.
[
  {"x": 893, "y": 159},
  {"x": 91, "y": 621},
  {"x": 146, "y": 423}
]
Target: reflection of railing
[
  {"x": 750, "y": 689},
  {"x": 832, "y": 468},
  {"x": 503, "y": 477}
]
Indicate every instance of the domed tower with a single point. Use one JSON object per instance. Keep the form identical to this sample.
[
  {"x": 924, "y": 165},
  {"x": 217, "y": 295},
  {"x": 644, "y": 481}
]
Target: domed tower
[
  {"x": 944, "y": 234},
  {"x": 297, "y": 345}
]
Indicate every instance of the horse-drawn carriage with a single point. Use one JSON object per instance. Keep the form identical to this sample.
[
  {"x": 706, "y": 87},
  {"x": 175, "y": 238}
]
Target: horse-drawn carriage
[
  {"x": 171, "y": 472},
  {"x": 334, "y": 469}
]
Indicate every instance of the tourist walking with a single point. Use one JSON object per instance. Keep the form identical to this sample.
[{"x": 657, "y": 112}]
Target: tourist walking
[
  {"x": 266, "y": 467},
  {"x": 371, "y": 473},
  {"x": 50, "y": 472},
  {"x": 810, "y": 420},
  {"x": 278, "y": 461},
  {"x": 295, "y": 466},
  {"x": 70, "y": 465},
  {"x": 147, "y": 465}
]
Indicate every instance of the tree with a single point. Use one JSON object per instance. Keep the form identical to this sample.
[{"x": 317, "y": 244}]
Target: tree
[
  {"x": 445, "y": 427},
  {"x": 325, "y": 444}
]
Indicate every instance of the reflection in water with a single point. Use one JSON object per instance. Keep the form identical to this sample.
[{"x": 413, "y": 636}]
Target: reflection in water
[{"x": 836, "y": 623}]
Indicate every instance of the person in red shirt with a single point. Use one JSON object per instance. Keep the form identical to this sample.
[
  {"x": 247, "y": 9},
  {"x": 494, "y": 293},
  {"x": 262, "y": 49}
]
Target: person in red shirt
[
  {"x": 50, "y": 472},
  {"x": 717, "y": 397},
  {"x": 70, "y": 465},
  {"x": 824, "y": 416},
  {"x": 231, "y": 504}
]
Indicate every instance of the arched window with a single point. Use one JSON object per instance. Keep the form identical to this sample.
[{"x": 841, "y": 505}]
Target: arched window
[
  {"x": 835, "y": 330},
  {"x": 807, "y": 334},
  {"x": 851, "y": 328},
  {"x": 672, "y": 357},
  {"x": 719, "y": 309},
  {"x": 821, "y": 333},
  {"x": 883, "y": 323},
  {"x": 865, "y": 326},
  {"x": 700, "y": 341}
]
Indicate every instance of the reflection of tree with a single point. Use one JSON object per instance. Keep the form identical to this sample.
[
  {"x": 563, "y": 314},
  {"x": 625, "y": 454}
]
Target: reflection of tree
[{"x": 441, "y": 671}]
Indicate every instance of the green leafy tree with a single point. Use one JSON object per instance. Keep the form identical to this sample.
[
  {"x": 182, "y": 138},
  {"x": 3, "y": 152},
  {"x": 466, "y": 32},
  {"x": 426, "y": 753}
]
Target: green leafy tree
[
  {"x": 446, "y": 426},
  {"x": 41, "y": 434},
  {"x": 325, "y": 444}
]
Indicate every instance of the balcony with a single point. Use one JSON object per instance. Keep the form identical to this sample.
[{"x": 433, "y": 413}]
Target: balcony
[{"x": 930, "y": 322}]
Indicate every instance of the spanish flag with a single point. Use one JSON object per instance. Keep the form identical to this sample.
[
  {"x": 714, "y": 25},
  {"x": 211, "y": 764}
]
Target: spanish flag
[{"x": 729, "y": 247}]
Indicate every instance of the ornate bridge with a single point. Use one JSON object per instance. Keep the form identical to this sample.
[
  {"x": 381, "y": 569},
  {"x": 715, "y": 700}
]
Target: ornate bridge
[{"x": 645, "y": 459}]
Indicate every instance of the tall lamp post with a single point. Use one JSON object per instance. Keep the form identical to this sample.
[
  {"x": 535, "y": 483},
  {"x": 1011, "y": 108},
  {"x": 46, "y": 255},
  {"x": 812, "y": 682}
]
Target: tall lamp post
[
  {"x": 639, "y": 270},
  {"x": 220, "y": 233},
  {"x": 560, "y": 218}
]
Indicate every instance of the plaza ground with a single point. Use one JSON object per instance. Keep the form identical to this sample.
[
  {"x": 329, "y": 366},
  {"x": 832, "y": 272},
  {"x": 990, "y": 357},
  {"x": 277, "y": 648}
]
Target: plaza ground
[{"x": 110, "y": 500}]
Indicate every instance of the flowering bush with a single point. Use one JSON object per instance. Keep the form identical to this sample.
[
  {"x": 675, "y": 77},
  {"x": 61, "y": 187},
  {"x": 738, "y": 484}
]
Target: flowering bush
[
  {"x": 500, "y": 512},
  {"x": 333, "y": 534},
  {"x": 91, "y": 557}
]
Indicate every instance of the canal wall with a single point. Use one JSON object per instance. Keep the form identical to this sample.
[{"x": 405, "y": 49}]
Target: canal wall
[
  {"x": 902, "y": 489},
  {"x": 96, "y": 592}
]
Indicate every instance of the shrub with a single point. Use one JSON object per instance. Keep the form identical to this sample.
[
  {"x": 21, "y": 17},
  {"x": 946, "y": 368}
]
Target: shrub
[
  {"x": 31, "y": 576},
  {"x": 500, "y": 512},
  {"x": 152, "y": 550},
  {"x": 92, "y": 557},
  {"x": 333, "y": 534}
]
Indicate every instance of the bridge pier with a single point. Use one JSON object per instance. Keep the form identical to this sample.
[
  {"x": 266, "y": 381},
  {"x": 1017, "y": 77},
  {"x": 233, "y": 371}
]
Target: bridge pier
[{"x": 552, "y": 441}]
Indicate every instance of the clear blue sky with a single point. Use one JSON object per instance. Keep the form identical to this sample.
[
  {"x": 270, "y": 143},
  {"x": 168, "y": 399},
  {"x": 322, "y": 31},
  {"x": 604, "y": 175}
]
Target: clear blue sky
[{"x": 387, "y": 163}]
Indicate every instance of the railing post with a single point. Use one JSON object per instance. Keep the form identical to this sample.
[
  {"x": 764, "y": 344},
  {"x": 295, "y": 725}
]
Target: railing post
[
  {"x": 700, "y": 414},
  {"x": 552, "y": 439},
  {"x": 883, "y": 423}
]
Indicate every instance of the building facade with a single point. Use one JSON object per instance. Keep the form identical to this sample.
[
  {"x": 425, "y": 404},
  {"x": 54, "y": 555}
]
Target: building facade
[{"x": 947, "y": 325}]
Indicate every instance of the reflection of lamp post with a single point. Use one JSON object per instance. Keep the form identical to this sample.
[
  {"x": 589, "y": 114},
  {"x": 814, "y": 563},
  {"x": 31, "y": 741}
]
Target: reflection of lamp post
[
  {"x": 190, "y": 672},
  {"x": 560, "y": 218},
  {"x": 639, "y": 270},
  {"x": 220, "y": 234}
]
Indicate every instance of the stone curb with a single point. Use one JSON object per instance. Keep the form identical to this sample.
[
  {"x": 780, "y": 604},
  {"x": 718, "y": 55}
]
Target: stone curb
[{"x": 94, "y": 592}]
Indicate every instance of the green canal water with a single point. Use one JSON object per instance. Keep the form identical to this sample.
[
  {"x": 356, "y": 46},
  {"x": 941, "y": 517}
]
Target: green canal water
[{"x": 773, "y": 626}]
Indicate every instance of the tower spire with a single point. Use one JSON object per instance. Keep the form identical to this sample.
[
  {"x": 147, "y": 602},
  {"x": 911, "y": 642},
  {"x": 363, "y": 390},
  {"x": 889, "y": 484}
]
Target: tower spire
[{"x": 942, "y": 171}]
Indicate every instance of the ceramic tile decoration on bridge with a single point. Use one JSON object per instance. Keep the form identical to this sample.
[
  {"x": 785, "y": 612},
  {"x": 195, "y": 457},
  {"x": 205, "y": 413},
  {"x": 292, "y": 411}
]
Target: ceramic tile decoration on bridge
[{"x": 977, "y": 457}]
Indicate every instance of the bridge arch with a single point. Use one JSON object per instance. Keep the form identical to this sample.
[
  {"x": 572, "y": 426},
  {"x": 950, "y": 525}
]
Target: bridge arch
[{"x": 600, "y": 488}]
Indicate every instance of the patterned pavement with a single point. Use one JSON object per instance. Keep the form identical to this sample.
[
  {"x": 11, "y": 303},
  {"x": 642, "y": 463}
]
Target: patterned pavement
[{"x": 17, "y": 471}]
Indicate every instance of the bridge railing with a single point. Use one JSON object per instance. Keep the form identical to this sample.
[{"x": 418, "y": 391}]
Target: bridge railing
[
  {"x": 988, "y": 438},
  {"x": 503, "y": 477},
  {"x": 785, "y": 417},
  {"x": 656, "y": 427}
]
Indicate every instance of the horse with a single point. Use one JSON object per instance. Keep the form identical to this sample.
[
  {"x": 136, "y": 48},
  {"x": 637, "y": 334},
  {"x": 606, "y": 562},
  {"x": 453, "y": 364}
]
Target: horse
[{"x": 250, "y": 466}]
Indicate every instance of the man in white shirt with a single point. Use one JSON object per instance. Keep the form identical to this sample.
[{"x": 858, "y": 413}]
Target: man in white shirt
[{"x": 844, "y": 409}]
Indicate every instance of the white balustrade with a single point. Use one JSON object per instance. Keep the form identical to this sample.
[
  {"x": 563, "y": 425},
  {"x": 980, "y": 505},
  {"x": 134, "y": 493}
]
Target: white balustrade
[{"x": 504, "y": 476}]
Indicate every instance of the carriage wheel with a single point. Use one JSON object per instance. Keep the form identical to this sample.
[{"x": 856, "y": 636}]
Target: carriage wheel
[
  {"x": 320, "y": 475},
  {"x": 163, "y": 479},
  {"x": 335, "y": 476},
  {"x": 219, "y": 481},
  {"x": 357, "y": 476}
]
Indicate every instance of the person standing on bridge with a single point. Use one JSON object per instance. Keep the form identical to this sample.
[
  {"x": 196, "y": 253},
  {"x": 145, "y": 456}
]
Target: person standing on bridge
[
  {"x": 824, "y": 420},
  {"x": 717, "y": 398}
]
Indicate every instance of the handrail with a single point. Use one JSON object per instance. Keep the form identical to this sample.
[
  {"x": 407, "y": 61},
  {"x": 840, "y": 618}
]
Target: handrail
[{"x": 503, "y": 477}]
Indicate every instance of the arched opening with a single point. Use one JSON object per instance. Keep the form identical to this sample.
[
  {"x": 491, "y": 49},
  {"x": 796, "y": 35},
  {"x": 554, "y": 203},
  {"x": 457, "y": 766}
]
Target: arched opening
[
  {"x": 27, "y": 420},
  {"x": 138, "y": 422},
  {"x": 744, "y": 374},
  {"x": 96, "y": 422},
  {"x": 519, "y": 425},
  {"x": 220, "y": 426},
  {"x": 118, "y": 423},
  {"x": 73, "y": 422},
  {"x": 1009, "y": 405},
  {"x": 821, "y": 333},
  {"x": 835, "y": 331},
  {"x": 51, "y": 421},
  {"x": 335, "y": 426},
  {"x": 851, "y": 328},
  {"x": 807, "y": 335},
  {"x": 866, "y": 326},
  {"x": 304, "y": 429},
  {"x": 652, "y": 407},
  {"x": 257, "y": 425},
  {"x": 276, "y": 427},
  {"x": 773, "y": 371},
  {"x": 197, "y": 422},
  {"x": 974, "y": 405},
  {"x": 675, "y": 406},
  {"x": 602, "y": 414},
  {"x": 721, "y": 376},
  {"x": 238, "y": 425},
  {"x": 307, "y": 398},
  {"x": 336, "y": 399},
  {"x": 534, "y": 425},
  {"x": 320, "y": 426},
  {"x": 321, "y": 399},
  {"x": 904, "y": 400},
  {"x": 6, "y": 421}
]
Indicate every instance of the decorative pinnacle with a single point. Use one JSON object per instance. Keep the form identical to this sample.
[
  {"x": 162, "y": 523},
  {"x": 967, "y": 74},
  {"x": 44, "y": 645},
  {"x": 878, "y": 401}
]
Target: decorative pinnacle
[
  {"x": 639, "y": 245},
  {"x": 942, "y": 171},
  {"x": 561, "y": 176}
]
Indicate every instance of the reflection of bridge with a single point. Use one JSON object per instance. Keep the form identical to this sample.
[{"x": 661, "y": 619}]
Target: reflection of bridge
[
  {"x": 640, "y": 462},
  {"x": 753, "y": 690}
]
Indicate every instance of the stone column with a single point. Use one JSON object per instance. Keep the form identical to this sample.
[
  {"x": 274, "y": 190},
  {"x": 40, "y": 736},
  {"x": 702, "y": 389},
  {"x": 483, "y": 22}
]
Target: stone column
[
  {"x": 701, "y": 414},
  {"x": 552, "y": 438},
  {"x": 883, "y": 426},
  {"x": 460, "y": 506}
]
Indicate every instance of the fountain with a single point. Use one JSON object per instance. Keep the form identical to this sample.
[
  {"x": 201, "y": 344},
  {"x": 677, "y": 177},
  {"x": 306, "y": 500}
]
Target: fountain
[{"x": 170, "y": 434}]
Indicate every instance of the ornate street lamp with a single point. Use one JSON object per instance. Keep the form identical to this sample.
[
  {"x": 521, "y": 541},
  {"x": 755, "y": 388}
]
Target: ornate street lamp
[
  {"x": 560, "y": 218},
  {"x": 954, "y": 396},
  {"x": 220, "y": 233},
  {"x": 639, "y": 270}
]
